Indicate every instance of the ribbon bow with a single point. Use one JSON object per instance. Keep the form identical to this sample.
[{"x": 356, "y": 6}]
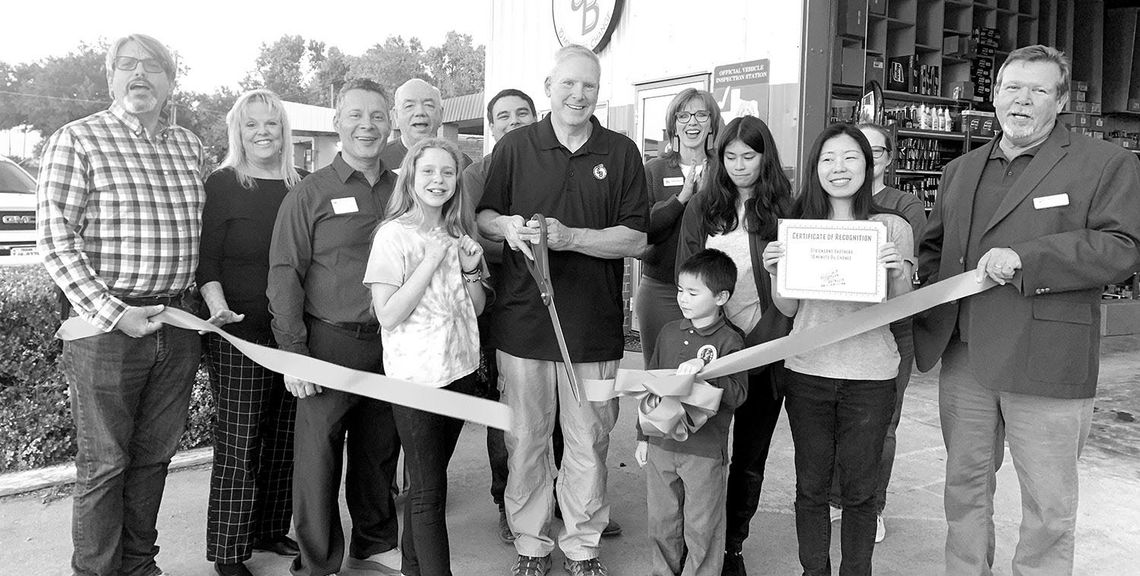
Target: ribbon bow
[
  {"x": 669, "y": 405},
  {"x": 540, "y": 270}
]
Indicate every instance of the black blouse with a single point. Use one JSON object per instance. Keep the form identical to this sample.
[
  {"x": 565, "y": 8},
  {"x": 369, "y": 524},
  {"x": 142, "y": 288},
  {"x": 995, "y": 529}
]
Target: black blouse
[{"x": 237, "y": 227}]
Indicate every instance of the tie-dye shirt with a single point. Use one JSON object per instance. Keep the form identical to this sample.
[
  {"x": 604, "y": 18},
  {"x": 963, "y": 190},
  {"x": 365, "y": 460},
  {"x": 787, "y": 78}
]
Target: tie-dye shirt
[{"x": 438, "y": 343}]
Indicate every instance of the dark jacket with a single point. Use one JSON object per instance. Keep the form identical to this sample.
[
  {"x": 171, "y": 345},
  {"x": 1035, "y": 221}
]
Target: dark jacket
[{"x": 773, "y": 324}]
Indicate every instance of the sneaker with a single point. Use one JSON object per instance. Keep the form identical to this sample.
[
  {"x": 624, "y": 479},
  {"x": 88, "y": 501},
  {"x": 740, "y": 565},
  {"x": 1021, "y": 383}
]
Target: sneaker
[
  {"x": 531, "y": 566},
  {"x": 387, "y": 563},
  {"x": 612, "y": 529},
  {"x": 733, "y": 564},
  {"x": 591, "y": 567},
  {"x": 505, "y": 533},
  {"x": 836, "y": 513},
  {"x": 880, "y": 529}
]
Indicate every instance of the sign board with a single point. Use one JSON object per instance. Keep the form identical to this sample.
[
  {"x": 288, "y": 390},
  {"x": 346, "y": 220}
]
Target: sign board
[
  {"x": 741, "y": 89},
  {"x": 589, "y": 23}
]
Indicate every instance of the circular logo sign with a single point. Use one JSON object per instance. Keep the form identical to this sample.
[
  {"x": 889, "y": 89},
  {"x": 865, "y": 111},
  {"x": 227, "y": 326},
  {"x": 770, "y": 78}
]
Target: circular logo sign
[{"x": 589, "y": 23}]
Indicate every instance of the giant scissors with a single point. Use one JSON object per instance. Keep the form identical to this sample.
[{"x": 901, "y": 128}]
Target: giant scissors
[{"x": 539, "y": 269}]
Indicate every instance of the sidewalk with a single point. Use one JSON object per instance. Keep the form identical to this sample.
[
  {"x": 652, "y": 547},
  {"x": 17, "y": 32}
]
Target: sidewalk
[{"x": 35, "y": 537}]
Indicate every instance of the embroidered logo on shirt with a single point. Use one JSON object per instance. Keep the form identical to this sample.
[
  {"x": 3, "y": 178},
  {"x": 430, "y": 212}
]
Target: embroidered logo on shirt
[
  {"x": 600, "y": 172},
  {"x": 707, "y": 353}
]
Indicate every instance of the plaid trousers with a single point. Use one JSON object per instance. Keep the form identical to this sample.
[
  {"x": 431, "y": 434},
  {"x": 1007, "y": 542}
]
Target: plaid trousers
[{"x": 251, "y": 487}]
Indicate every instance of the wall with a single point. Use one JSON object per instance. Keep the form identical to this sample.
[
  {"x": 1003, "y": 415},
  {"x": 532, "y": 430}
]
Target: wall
[{"x": 656, "y": 40}]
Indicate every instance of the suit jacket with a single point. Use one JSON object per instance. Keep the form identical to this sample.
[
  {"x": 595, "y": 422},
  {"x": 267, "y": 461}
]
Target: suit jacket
[
  {"x": 773, "y": 324},
  {"x": 1040, "y": 333}
]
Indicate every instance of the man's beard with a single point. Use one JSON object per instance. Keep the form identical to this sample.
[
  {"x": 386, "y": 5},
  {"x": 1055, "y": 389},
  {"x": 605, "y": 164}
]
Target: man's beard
[{"x": 140, "y": 105}]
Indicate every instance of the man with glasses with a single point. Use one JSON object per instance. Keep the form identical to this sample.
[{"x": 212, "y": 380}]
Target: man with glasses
[
  {"x": 120, "y": 198},
  {"x": 418, "y": 110}
]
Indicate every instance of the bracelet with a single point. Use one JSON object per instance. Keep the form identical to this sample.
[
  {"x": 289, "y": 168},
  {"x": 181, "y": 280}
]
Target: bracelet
[
  {"x": 473, "y": 277},
  {"x": 468, "y": 272}
]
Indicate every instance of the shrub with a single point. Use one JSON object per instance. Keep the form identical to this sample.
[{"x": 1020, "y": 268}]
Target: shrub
[{"x": 36, "y": 428}]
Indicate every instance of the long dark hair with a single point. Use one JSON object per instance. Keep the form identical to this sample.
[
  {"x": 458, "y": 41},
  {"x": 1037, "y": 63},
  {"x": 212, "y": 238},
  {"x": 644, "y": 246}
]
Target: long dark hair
[
  {"x": 772, "y": 193},
  {"x": 813, "y": 201}
]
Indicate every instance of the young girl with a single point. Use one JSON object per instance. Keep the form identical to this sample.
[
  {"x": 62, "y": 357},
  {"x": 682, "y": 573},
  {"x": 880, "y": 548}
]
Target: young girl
[
  {"x": 736, "y": 211},
  {"x": 840, "y": 397},
  {"x": 425, "y": 272}
]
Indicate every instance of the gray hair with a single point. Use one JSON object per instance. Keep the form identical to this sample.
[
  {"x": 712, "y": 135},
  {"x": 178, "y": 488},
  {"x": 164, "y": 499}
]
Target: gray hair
[
  {"x": 1042, "y": 53},
  {"x": 148, "y": 43},
  {"x": 362, "y": 84},
  {"x": 571, "y": 51}
]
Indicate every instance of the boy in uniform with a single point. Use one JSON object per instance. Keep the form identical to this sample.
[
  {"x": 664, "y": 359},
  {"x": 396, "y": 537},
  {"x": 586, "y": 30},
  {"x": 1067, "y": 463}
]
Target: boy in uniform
[{"x": 685, "y": 480}]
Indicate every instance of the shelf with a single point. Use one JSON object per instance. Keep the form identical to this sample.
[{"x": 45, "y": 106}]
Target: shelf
[
  {"x": 893, "y": 95},
  {"x": 919, "y": 172},
  {"x": 912, "y": 133}
]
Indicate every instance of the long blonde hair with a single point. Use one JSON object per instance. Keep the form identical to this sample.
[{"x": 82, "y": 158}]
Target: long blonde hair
[
  {"x": 458, "y": 214},
  {"x": 236, "y": 157}
]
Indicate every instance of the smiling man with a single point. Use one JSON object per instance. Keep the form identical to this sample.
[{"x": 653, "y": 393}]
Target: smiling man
[
  {"x": 321, "y": 309},
  {"x": 120, "y": 201},
  {"x": 590, "y": 185},
  {"x": 418, "y": 110},
  {"x": 1051, "y": 217}
]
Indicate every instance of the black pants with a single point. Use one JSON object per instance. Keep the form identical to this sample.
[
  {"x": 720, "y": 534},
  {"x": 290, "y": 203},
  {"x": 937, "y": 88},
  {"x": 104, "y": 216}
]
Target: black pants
[
  {"x": 251, "y": 483},
  {"x": 324, "y": 422},
  {"x": 429, "y": 442},
  {"x": 754, "y": 423}
]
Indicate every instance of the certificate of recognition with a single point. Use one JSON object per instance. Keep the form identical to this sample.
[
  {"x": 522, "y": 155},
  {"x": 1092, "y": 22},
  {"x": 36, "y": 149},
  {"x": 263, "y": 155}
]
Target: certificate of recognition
[{"x": 832, "y": 260}]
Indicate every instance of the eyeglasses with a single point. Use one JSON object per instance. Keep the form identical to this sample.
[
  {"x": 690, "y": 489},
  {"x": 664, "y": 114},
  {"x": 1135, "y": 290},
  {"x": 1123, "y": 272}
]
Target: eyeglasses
[
  {"x": 130, "y": 63},
  {"x": 702, "y": 116},
  {"x": 878, "y": 151}
]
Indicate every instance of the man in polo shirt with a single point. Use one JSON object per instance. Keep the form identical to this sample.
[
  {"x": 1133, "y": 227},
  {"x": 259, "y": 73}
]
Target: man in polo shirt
[
  {"x": 418, "y": 110},
  {"x": 119, "y": 206},
  {"x": 590, "y": 185},
  {"x": 321, "y": 309}
]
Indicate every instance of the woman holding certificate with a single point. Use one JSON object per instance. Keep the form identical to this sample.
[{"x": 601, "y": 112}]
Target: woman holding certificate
[
  {"x": 737, "y": 212},
  {"x": 692, "y": 121},
  {"x": 840, "y": 397}
]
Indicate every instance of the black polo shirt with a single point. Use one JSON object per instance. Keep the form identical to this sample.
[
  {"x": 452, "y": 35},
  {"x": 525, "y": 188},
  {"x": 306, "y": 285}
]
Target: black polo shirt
[
  {"x": 600, "y": 186},
  {"x": 998, "y": 176}
]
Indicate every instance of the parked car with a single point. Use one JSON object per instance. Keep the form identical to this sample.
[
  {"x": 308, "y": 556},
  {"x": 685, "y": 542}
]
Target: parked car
[{"x": 17, "y": 210}]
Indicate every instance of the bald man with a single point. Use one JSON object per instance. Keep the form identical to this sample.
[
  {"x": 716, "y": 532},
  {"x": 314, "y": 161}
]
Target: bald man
[{"x": 418, "y": 110}]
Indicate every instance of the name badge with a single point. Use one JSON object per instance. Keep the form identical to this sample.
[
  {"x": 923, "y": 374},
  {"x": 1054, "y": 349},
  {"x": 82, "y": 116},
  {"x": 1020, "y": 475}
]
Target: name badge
[
  {"x": 674, "y": 181},
  {"x": 344, "y": 205},
  {"x": 1051, "y": 201}
]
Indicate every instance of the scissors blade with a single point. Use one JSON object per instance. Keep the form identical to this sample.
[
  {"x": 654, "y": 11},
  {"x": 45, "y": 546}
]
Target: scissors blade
[{"x": 575, "y": 386}]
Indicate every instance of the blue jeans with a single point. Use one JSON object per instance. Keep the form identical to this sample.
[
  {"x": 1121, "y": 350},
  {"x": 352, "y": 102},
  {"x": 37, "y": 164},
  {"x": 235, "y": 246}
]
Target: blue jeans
[
  {"x": 129, "y": 398},
  {"x": 840, "y": 424}
]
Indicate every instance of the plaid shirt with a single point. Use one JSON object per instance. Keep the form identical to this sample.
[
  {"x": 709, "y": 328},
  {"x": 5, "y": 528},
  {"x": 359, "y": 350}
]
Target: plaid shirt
[{"x": 119, "y": 213}]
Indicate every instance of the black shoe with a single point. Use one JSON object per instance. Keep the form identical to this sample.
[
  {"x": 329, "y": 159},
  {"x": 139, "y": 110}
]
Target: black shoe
[
  {"x": 238, "y": 569},
  {"x": 505, "y": 533},
  {"x": 733, "y": 564},
  {"x": 281, "y": 546},
  {"x": 612, "y": 529}
]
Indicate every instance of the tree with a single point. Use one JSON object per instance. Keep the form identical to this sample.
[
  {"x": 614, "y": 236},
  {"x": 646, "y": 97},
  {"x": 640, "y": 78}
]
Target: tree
[
  {"x": 456, "y": 67},
  {"x": 205, "y": 115},
  {"x": 330, "y": 71},
  {"x": 281, "y": 67},
  {"x": 48, "y": 94},
  {"x": 392, "y": 63}
]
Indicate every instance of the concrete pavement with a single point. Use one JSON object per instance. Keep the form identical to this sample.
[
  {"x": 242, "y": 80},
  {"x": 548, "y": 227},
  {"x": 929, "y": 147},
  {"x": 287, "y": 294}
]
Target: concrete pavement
[{"x": 35, "y": 536}]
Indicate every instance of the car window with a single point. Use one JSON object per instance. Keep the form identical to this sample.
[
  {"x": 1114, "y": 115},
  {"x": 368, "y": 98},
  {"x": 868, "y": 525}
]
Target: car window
[{"x": 13, "y": 179}]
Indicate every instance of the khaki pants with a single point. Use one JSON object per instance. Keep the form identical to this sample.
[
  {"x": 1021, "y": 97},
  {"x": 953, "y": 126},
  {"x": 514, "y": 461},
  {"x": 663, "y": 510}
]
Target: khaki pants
[
  {"x": 534, "y": 389},
  {"x": 1045, "y": 438},
  {"x": 685, "y": 495}
]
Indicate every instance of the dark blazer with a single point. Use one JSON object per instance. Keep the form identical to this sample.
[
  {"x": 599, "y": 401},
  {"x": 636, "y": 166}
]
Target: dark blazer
[
  {"x": 1040, "y": 333},
  {"x": 772, "y": 324}
]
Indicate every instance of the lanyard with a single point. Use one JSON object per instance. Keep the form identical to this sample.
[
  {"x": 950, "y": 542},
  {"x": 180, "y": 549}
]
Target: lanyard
[{"x": 539, "y": 269}]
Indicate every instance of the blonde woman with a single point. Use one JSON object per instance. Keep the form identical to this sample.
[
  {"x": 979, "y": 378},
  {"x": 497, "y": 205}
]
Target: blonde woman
[{"x": 251, "y": 485}]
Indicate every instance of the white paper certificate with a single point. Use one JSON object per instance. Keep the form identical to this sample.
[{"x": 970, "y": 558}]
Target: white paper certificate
[{"x": 832, "y": 260}]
